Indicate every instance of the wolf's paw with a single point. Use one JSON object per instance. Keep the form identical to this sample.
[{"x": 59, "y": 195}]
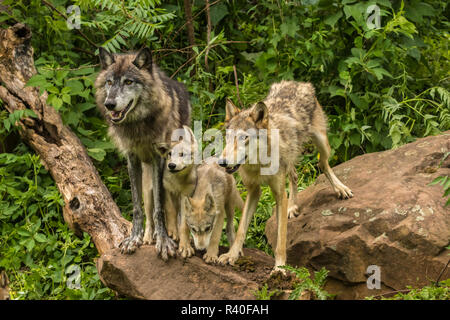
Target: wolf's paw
[
  {"x": 210, "y": 258},
  {"x": 148, "y": 238},
  {"x": 130, "y": 244},
  {"x": 185, "y": 250},
  {"x": 277, "y": 269},
  {"x": 343, "y": 192},
  {"x": 292, "y": 211},
  {"x": 228, "y": 258},
  {"x": 165, "y": 247},
  {"x": 173, "y": 234}
]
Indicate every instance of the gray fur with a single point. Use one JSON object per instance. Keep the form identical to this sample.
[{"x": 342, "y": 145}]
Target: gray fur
[{"x": 150, "y": 107}]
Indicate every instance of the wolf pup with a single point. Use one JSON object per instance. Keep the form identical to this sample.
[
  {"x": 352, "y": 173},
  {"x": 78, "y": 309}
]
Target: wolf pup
[
  {"x": 179, "y": 179},
  {"x": 4, "y": 286},
  {"x": 291, "y": 108},
  {"x": 142, "y": 107},
  {"x": 215, "y": 197}
]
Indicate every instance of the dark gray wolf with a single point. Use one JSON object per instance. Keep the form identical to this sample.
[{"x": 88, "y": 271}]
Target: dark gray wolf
[
  {"x": 291, "y": 108},
  {"x": 142, "y": 107}
]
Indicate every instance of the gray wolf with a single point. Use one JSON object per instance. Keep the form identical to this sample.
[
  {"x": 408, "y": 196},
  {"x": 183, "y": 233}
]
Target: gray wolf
[
  {"x": 203, "y": 214},
  {"x": 4, "y": 286},
  {"x": 142, "y": 107},
  {"x": 291, "y": 108}
]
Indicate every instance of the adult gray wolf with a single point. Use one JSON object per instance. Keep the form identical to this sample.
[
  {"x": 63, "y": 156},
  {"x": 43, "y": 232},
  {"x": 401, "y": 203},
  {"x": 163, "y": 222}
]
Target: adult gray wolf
[
  {"x": 203, "y": 214},
  {"x": 293, "y": 110},
  {"x": 142, "y": 107}
]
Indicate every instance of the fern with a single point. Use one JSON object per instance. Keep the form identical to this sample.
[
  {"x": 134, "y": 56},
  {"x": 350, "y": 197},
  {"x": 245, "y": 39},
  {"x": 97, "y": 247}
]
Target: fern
[
  {"x": 131, "y": 20},
  {"x": 307, "y": 284}
]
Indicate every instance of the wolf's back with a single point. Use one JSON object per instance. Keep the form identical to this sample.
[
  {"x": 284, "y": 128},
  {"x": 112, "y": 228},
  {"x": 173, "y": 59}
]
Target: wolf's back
[{"x": 292, "y": 98}]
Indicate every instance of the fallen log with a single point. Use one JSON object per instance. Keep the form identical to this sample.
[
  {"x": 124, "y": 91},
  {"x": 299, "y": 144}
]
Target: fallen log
[{"x": 88, "y": 205}]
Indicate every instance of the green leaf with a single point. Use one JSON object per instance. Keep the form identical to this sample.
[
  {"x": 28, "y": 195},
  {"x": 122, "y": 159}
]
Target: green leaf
[
  {"x": 97, "y": 154},
  {"x": 334, "y": 18},
  {"x": 39, "y": 237},
  {"x": 218, "y": 12},
  {"x": 36, "y": 81},
  {"x": 76, "y": 86}
]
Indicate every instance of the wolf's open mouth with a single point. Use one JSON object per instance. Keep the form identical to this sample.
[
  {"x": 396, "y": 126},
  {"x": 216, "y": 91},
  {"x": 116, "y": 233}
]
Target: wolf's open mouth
[
  {"x": 117, "y": 116},
  {"x": 236, "y": 167}
]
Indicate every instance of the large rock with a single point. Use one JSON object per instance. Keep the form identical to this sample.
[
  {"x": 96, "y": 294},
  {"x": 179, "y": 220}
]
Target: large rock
[
  {"x": 143, "y": 275},
  {"x": 395, "y": 221}
]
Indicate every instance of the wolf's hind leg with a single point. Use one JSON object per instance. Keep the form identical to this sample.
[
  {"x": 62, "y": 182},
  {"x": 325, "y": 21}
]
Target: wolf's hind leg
[
  {"x": 320, "y": 139},
  {"x": 293, "y": 180}
]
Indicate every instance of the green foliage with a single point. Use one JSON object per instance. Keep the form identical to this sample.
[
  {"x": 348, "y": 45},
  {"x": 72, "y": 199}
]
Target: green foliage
[
  {"x": 306, "y": 283},
  {"x": 380, "y": 88},
  {"x": 264, "y": 293},
  {"x": 37, "y": 248},
  {"x": 432, "y": 292},
  {"x": 444, "y": 181}
]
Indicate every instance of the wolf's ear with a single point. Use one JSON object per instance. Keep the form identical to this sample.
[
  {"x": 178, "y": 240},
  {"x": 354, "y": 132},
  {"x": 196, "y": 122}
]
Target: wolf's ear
[
  {"x": 259, "y": 113},
  {"x": 231, "y": 110},
  {"x": 143, "y": 59},
  {"x": 106, "y": 58},
  {"x": 209, "y": 202},
  {"x": 189, "y": 132},
  {"x": 163, "y": 149}
]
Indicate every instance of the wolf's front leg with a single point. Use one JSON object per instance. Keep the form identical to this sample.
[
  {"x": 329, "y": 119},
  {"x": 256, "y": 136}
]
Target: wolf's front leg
[
  {"x": 185, "y": 249},
  {"x": 164, "y": 244},
  {"x": 211, "y": 255},
  {"x": 253, "y": 195},
  {"x": 279, "y": 193},
  {"x": 130, "y": 244}
]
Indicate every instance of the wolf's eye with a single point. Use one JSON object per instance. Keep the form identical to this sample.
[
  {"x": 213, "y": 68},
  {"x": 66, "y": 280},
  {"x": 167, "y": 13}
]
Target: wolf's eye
[
  {"x": 109, "y": 82},
  {"x": 128, "y": 82},
  {"x": 169, "y": 154},
  {"x": 208, "y": 228}
]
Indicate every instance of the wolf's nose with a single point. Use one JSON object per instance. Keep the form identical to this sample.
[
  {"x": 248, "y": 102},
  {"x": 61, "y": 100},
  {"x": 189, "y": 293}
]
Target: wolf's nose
[
  {"x": 110, "y": 105},
  {"x": 223, "y": 162},
  {"x": 172, "y": 166}
]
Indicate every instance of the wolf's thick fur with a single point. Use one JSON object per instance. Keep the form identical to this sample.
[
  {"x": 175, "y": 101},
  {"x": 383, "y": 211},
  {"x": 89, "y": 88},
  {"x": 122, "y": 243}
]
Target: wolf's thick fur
[
  {"x": 203, "y": 214},
  {"x": 292, "y": 108},
  {"x": 142, "y": 107},
  {"x": 4, "y": 286}
]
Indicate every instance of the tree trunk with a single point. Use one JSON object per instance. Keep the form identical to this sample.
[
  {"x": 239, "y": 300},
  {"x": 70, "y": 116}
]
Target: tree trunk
[{"x": 89, "y": 206}]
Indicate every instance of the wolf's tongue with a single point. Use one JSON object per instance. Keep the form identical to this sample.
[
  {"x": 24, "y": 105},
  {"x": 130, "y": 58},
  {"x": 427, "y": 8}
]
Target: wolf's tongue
[{"x": 116, "y": 113}]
